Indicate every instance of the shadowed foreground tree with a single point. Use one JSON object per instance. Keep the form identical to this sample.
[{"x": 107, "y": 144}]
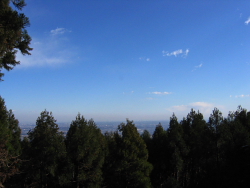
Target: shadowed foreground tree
[
  {"x": 13, "y": 34},
  {"x": 128, "y": 158},
  {"x": 177, "y": 152},
  {"x": 46, "y": 152},
  {"x": 85, "y": 147},
  {"x": 10, "y": 145},
  {"x": 234, "y": 150},
  {"x": 158, "y": 157}
]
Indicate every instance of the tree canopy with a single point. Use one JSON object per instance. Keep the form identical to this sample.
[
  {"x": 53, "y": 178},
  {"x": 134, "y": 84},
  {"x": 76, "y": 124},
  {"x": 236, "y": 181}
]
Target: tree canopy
[
  {"x": 191, "y": 153},
  {"x": 13, "y": 34}
]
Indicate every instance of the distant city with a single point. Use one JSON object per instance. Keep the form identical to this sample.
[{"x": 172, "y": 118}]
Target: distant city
[{"x": 104, "y": 126}]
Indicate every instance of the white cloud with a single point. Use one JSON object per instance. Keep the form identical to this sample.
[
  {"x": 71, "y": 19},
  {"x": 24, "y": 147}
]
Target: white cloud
[
  {"x": 197, "y": 67},
  {"x": 176, "y": 53},
  {"x": 241, "y": 96},
  {"x": 186, "y": 53},
  {"x": 178, "y": 108},
  {"x": 144, "y": 59},
  {"x": 201, "y": 104},
  {"x": 203, "y": 107},
  {"x": 247, "y": 21},
  {"x": 58, "y": 31},
  {"x": 160, "y": 93},
  {"x": 48, "y": 51}
]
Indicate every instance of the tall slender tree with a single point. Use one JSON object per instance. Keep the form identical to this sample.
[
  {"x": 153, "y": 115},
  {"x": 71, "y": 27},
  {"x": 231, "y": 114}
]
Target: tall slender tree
[
  {"x": 46, "y": 151},
  {"x": 10, "y": 145},
  {"x": 177, "y": 151},
  {"x": 85, "y": 147},
  {"x": 158, "y": 156},
  {"x": 130, "y": 168}
]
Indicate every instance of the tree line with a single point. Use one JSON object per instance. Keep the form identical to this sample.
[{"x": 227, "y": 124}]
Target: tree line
[{"x": 189, "y": 153}]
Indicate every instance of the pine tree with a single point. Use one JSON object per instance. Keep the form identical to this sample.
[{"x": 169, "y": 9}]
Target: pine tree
[
  {"x": 146, "y": 136},
  {"x": 46, "y": 151},
  {"x": 10, "y": 145},
  {"x": 130, "y": 168},
  {"x": 197, "y": 136},
  {"x": 13, "y": 34},
  {"x": 234, "y": 150},
  {"x": 85, "y": 148},
  {"x": 177, "y": 150},
  {"x": 159, "y": 157}
]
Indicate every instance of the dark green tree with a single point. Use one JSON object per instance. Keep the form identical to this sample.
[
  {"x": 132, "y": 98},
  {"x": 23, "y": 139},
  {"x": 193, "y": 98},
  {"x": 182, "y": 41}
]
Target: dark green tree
[
  {"x": 234, "y": 150},
  {"x": 85, "y": 147},
  {"x": 159, "y": 157},
  {"x": 10, "y": 145},
  {"x": 13, "y": 34},
  {"x": 197, "y": 137},
  {"x": 214, "y": 171},
  {"x": 46, "y": 152},
  {"x": 146, "y": 136},
  {"x": 130, "y": 167},
  {"x": 177, "y": 151}
]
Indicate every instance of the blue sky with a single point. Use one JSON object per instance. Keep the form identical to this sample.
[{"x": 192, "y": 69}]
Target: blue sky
[{"x": 140, "y": 59}]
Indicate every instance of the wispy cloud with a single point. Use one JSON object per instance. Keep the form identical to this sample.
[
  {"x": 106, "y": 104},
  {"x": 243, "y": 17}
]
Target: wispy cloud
[
  {"x": 150, "y": 98},
  {"x": 201, "y": 104},
  {"x": 240, "y": 96},
  {"x": 49, "y": 51},
  {"x": 160, "y": 93},
  {"x": 197, "y": 67},
  {"x": 144, "y": 59},
  {"x": 128, "y": 93},
  {"x": 204, "y": 107},
  {"x": 186, "y": 53},
  {"x": 176, "y": 53},
  {"x": 59, "y": 31},
  {"x": 247, "y": 21}
]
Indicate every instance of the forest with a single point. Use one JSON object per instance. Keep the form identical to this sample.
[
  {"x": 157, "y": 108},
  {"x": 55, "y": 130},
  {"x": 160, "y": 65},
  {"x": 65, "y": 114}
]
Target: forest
[{"x": 191, "y": 152}]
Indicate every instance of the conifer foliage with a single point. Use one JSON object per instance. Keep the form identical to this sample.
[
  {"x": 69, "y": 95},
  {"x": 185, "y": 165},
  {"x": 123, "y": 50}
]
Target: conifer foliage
[
  {"x": 13, "y": 34},
  {"x": 10, "y": 145},
  {"x": 129, "y": 158},
  {"x": 46, "y": 151},
  {"x": 191, "y": 153},
  {"x": 85, "y": 147}
]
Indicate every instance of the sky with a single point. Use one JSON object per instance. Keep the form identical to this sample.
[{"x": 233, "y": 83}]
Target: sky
[{"x": 138, "y": 59}]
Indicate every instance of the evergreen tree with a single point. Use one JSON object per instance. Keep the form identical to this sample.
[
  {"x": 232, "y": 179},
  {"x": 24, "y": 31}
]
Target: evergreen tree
[
  {"x": 159, "y": 157},
  {"x": 47, "y": 150},
  {"x": 13, "y": 34},
  {"x": 146, "y": 136},
  {"x": 234, "y": 150},
  {"x": 130, "y": 168},
  {"x": 197, "y": 136},
  {"x": 10, "y": 147},
  {"x": 177, "y": 150},
  {"x": 214, "y": 170},
  {"x": 85, "y": 147}
]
